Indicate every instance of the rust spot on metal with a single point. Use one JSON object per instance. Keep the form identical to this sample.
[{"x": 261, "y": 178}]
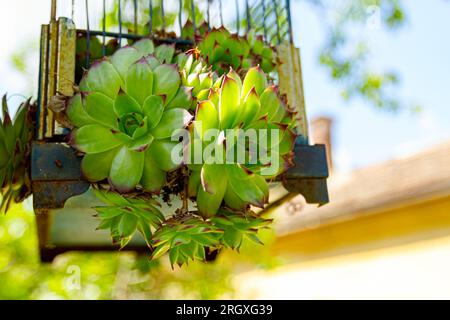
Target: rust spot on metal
[{"x": 58, "y": 163}]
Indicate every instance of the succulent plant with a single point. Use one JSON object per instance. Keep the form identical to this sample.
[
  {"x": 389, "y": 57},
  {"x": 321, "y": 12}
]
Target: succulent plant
[
  {"x": 234, "y": 107},
  {"x": 222, "y": 49},
  {"x": 238, "y": 226},
  {"x": 123, "y": 216},
  {"x": 95, "y": 52},
  {"x": 185, "y": 239},
  {"x": 15, "y": 139},
  {"x": 261, "y": 53},
  {"x": 196, "y": 74},
  {"x": 128, "y": 107}
]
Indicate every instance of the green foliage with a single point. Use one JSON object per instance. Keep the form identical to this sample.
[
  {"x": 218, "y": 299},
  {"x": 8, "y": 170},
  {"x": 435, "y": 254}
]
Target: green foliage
[
  {"x": 196, "y": 75},
  {"x": 124, "y": 216},
  {"x": 185, "y": 238},
  {"x": 233, "y": 106},
  {"x": 15, "y": 150},
  {"x": 128, "y": 108},
  {"x": 224, "y": 50},
  {"x": 346, "y": 53},
  {"x": 238, "y": 226}
]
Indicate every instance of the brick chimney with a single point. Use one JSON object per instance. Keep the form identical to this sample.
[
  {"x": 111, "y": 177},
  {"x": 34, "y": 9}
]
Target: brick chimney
[{"x": 320, "y": 133}]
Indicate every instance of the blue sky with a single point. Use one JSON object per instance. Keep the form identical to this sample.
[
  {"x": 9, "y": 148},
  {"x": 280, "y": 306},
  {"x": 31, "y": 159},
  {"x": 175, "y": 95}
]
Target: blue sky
[
  {"x": 362, "y": 136},
  {"x": 420, "y": 52}
]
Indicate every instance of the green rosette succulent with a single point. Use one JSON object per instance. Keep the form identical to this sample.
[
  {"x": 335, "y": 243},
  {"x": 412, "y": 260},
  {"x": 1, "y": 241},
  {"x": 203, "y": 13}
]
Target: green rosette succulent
[
  {"x": 238, "y": 226},
  {"x": 15, "y": 137},
  {"x": 222, "y": 50},
  {"x": 235, "y": 108},
  {"x": 128, "y": 107},
  {"x": 185, "y": 239},
  {"x": 196, "y": 74}
]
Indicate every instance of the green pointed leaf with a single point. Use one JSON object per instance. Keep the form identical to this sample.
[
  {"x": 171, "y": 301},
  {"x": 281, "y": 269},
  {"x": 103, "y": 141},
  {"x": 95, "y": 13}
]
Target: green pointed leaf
[
  {"x": 111, "y": 198},
  {"x": 144, "y": 46},
  {"x": 233, "y": 74},
  {"x": 127, "y": 225},
  {"x": 153, "y": 109},
  {"x": 210, "y": 175},
  {"x": 108, "y": 212},
  {"x": 141, "y": 143},
  {"x": 232, "y": 238},
  {"x": 228, "y": 102},
  {"x": 244, "y": 186},
  {"x": 251, "y": 108},
  {"x": 146, "y": 232},
  {"x": 152, "y": 61},
  {"x": 206, "y": 117},
  {"x": 126, "y": 169},
  {"x": 96, "y": 166},
  {"x": 122, "y": 60},
  {"x": 208, "y": 204},
  {"x": 76, "y": 112},
  {"x": 153, "y": 178},
  {"x": 262, "y": 184},
  {"x": 194, "y": 183},
  {"x": 161, "y": 151},
  {"x": 270, "y": 102},
  {"x": 166, "y": 81},
  {"x": 182, "y": 99},
  {"x": 164, "y": 53},
  {"x": 104, "y": 78},
  {"x": 160, "y": 250},
  {"x": 124, "y": 104},
  {"x": 171, "y": 121},
  {"x": 95, "y": 138},
  {"x": 101, "y": 108},
  {"x": 233, "y": 201},
  {"x": 255, "y": 77},
  {"x": 139, "y": 81},
  {"x": 173, "y": 256}
]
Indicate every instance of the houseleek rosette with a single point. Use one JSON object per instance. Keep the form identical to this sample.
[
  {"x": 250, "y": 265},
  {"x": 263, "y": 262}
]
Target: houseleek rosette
[
  {"x": 235, "y": 107},
  {"x": 15, "y": 138},
  {"x": 222, "y": 50},
  {"x": 129, "y": 106},
  {"x": 196, "y": 75}
]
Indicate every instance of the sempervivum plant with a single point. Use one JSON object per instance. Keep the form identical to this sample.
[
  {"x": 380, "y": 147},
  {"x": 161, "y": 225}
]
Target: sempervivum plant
[
  {"x": 185, "y": 238},
  {"x": 196, "y": 74},
  {"x": 223, "y": 50},
  {"x": 15, "y": 138},
  {"x": 128, "y": 107},
  {"x": 234, "y": 109}
]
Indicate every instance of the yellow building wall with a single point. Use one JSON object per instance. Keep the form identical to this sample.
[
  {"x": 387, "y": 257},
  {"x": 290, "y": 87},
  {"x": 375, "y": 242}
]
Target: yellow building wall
[{"x": 401, "y": 252}]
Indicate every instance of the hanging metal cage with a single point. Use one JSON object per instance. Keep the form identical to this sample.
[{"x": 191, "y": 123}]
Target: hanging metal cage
[{"x": 56, "y": 175}]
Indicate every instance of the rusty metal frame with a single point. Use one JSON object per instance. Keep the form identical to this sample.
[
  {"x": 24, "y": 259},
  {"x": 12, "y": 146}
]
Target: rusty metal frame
[{"x": 309, "y": 175}]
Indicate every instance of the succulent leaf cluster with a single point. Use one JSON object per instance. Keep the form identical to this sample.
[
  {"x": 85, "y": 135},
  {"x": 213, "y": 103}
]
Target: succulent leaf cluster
[
  {"x": 15, "y": 139},
  {"x": 233, "y": 107},
  {"x": 124, "y": 216},
  {"x": 196, "y": 75},
  {"x": 238, "y": 226},
  {"x": 222, "y": 49},
  {"x": 128, "y": 107},
  {"x": 185, "y": 239}
]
